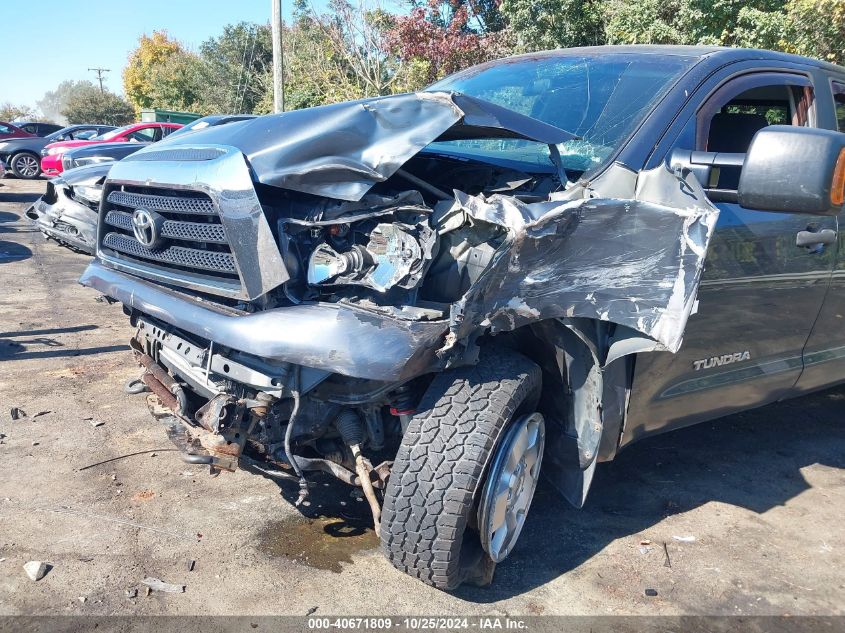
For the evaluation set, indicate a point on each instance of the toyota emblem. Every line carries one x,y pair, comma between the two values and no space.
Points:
146,225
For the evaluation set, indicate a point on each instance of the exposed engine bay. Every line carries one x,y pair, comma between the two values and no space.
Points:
397,246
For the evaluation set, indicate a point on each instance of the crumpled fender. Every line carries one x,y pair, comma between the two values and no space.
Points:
635,262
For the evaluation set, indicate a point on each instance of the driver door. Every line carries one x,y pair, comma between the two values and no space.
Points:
760,293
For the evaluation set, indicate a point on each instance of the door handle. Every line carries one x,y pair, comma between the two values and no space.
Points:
814,238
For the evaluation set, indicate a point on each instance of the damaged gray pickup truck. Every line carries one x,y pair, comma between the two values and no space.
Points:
537,261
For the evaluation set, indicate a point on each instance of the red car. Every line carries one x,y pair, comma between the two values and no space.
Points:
51,156
7,131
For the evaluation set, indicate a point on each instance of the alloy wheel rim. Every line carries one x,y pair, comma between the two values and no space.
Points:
511,482
27,165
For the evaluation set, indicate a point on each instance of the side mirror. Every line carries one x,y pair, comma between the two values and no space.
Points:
794,170
718,172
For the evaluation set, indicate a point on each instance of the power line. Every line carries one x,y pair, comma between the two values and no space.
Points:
100,72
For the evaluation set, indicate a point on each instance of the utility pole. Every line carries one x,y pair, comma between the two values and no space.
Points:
100,72
278,58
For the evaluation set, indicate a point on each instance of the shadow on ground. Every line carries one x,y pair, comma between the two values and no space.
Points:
18,197
13,252
29,344
752,460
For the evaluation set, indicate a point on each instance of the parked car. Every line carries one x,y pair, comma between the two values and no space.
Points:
98,153
51,155
430,296
67,212
107,152
38,128
7,130
23,155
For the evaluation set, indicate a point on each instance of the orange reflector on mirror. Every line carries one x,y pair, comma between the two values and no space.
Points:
837,187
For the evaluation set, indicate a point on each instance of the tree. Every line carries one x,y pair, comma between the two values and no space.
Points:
720,22
238,67
180,83
92,106
55,101
10,112
816,28
545,24
649,22
441,38
357,49
138,76
314,73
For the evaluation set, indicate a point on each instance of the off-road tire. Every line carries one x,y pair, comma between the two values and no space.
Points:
427,528
15,166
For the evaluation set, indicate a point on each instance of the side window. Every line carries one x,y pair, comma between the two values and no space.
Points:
31,128
5,129
729,120
714,141
839,100
84,134
144,135
166,131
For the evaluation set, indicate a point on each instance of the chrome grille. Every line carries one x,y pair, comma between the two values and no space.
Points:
174,229
163,204
203,218
192,232
177,255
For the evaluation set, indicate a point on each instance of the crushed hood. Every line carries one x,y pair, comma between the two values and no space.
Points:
341,150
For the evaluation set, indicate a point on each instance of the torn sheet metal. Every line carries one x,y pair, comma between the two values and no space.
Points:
341,150
634,262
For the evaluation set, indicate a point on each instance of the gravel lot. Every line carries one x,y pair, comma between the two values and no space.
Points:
762,493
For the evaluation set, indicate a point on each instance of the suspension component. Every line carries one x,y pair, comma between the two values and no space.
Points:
404,405
352,431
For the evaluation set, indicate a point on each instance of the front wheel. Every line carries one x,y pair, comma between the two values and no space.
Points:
465,472
25,166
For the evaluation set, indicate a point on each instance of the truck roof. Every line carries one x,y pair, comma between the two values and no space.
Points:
719,54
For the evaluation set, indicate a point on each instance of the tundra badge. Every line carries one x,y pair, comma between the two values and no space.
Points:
718,361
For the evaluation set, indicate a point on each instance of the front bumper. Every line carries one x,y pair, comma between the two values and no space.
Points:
336,338
65,220
51,165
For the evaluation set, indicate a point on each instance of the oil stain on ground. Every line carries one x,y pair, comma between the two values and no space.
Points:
327,533
323,542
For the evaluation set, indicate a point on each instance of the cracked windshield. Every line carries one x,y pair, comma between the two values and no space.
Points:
601,99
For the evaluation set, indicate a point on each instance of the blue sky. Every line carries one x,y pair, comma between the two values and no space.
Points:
48,41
